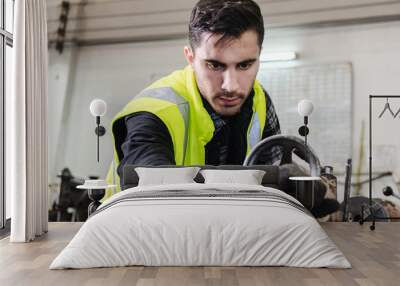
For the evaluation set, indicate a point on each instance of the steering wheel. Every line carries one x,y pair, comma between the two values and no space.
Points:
289,144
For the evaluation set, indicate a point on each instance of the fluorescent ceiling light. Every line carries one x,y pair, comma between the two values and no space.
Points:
276,57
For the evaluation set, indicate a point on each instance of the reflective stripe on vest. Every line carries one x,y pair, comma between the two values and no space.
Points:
254,131
168,94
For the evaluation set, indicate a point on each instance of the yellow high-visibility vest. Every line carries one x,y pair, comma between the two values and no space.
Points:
175,99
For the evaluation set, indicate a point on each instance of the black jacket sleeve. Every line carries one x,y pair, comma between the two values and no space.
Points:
147,142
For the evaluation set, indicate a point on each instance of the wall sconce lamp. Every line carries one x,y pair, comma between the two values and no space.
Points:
305,108
98,108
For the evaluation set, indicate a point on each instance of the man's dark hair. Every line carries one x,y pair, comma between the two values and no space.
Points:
230,18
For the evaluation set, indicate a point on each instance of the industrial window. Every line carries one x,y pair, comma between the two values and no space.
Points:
329,86
6,44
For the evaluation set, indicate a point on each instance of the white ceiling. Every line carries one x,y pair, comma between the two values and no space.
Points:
107,21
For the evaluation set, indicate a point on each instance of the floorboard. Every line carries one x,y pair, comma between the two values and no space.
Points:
374,255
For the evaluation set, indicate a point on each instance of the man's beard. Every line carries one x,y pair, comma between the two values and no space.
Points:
228,104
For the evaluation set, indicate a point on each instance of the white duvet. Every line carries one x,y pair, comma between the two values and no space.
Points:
185,230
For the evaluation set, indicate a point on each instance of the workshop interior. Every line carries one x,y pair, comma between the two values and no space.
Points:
336,66
330,68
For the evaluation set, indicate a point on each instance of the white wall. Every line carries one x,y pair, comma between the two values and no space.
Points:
373,51
61,81
113,73
116,73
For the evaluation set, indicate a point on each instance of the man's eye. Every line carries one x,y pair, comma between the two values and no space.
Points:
244,66
214,66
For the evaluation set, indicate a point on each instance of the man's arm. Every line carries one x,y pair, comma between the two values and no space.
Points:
272,127
147,142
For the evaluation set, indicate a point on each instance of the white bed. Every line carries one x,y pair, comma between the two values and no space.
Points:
203,225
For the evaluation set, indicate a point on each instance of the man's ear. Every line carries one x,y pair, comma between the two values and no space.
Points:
189,55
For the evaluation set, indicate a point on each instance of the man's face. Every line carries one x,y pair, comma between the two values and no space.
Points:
225,71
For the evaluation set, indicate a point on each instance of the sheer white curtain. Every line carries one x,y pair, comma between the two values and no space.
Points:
26,119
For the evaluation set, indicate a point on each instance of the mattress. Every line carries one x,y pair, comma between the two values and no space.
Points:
201,225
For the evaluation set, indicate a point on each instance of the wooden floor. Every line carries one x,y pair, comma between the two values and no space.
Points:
374,255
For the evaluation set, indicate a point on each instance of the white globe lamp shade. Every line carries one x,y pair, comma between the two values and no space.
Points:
98,107
305,107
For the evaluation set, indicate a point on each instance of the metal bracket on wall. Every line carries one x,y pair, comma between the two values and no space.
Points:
62,27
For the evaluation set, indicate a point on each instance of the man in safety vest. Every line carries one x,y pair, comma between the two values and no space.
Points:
213,111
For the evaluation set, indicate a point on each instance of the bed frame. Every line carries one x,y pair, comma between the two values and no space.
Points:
275,177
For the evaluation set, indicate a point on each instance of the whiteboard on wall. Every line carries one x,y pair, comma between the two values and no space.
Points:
329,86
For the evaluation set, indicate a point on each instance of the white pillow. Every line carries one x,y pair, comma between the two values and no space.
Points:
163,176
248,177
